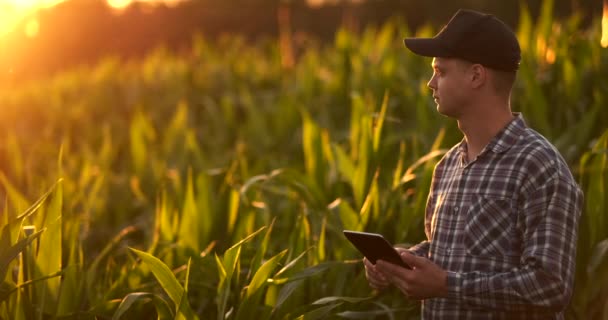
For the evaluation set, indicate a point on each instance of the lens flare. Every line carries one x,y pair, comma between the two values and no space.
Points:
13,12
604,41
119,4
31,28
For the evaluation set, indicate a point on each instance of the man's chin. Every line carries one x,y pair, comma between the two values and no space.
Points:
445,112
440,109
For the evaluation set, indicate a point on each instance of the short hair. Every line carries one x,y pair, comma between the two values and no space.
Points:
503,81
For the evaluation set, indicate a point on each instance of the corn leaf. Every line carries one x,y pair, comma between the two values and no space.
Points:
169,283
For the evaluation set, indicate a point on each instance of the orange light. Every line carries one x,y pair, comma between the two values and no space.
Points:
315,3
604,41
119,4
31,28
22,3
12,12
550,56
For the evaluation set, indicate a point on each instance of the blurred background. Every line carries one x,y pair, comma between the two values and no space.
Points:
38,37
200,159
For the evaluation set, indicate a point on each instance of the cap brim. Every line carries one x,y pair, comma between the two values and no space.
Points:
428,47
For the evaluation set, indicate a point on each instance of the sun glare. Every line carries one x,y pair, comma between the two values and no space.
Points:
118,4
31,28
13,12
604,41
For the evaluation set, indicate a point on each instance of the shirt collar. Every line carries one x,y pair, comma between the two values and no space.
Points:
508,136
504,140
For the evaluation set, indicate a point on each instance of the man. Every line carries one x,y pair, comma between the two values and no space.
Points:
503,209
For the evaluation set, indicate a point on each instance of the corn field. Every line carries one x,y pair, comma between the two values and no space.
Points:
216,185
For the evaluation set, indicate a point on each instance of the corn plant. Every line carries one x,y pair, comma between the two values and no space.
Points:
216,184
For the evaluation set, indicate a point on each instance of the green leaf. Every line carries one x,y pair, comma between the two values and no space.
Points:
598,257
305,186
168,282
385,310
409,173
291,263
314,270
319,313
184,305
227,267
190,222
92,272
372,314
142,133
345,165
6,289
321,243
364,157
223,289
34,207
263,273
233,210
187,280
350,219
377,134
371,202
17,199
249,237
286,292
261,251
71,290
48,259
312,143
162,308
8,254
205,208
327,300
249,306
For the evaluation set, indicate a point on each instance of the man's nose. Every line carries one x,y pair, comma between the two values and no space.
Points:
431,83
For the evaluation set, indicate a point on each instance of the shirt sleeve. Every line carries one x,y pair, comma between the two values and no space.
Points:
421,249
545,276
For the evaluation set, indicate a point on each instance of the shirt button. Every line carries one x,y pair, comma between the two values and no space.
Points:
456,209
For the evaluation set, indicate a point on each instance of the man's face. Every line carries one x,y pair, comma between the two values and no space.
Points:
449,86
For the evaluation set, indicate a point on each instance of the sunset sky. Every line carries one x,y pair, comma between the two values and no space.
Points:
14,11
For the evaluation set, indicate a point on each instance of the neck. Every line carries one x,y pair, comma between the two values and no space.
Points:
480,126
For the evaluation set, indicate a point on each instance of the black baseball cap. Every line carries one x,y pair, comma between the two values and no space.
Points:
475,37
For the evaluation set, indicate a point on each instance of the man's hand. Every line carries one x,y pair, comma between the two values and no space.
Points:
376,279
425,280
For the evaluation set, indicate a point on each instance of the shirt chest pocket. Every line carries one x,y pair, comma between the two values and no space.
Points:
490,226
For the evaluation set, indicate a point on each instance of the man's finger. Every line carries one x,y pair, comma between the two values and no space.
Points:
375,275
389,269
411,260
400,284
378,283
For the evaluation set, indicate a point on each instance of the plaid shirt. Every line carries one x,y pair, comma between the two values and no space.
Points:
504,226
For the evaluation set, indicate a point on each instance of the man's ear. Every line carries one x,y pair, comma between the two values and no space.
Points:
478,75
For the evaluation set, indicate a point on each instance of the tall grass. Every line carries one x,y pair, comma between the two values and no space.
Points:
216,185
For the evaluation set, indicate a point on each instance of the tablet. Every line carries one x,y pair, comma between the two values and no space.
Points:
374,247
